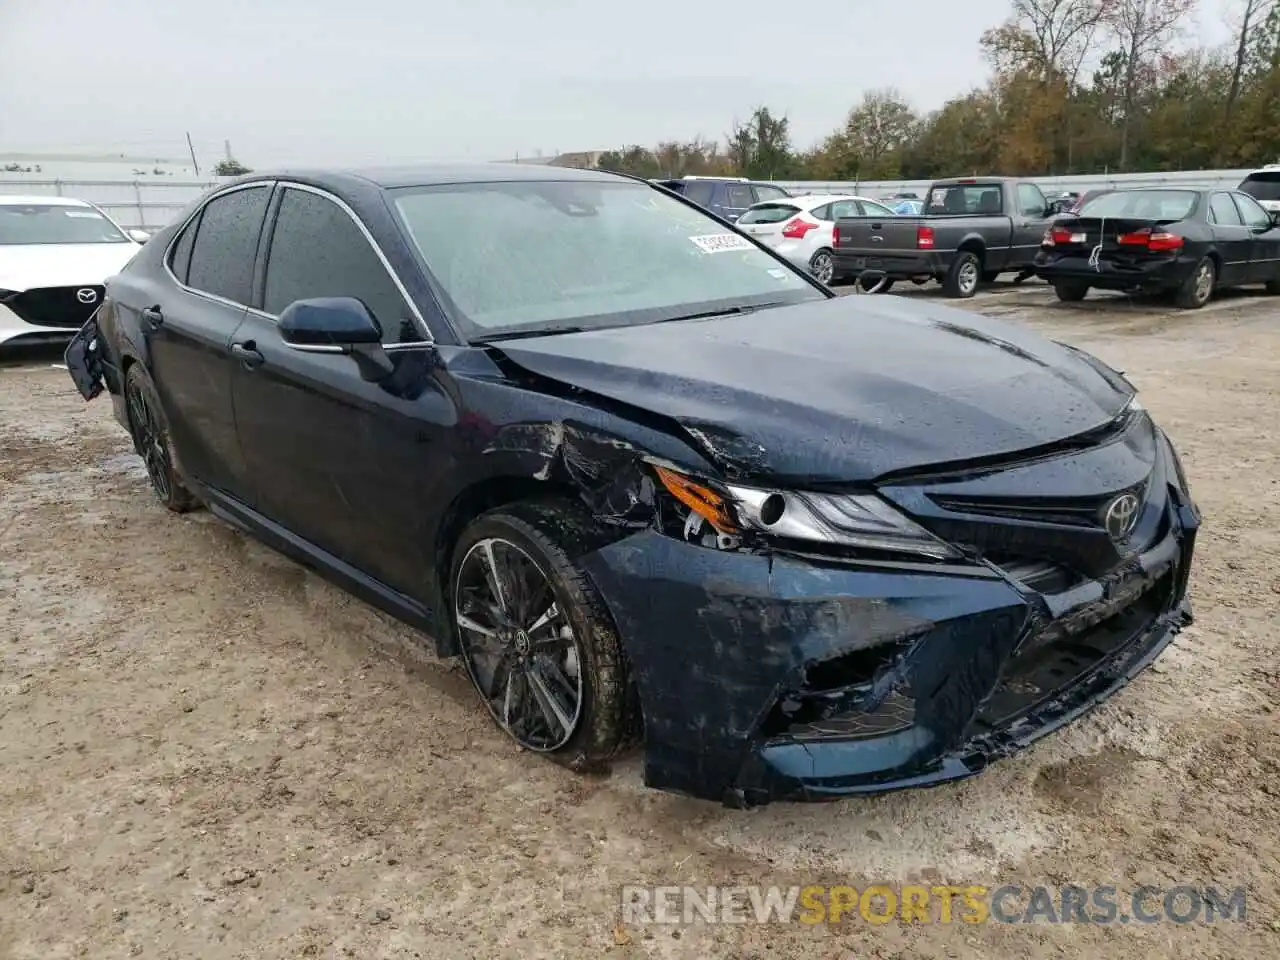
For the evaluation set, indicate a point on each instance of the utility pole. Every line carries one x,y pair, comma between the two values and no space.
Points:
193,154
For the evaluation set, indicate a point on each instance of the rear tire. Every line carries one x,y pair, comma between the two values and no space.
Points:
823,267
522,541
1273,287
869,283
1071,291
151,440
1195,291
963,277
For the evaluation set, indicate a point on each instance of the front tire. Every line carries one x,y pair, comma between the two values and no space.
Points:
537,640
963,277
151,440
1196,290
1071,291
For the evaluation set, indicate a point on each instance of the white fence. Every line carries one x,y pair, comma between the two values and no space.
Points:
151,204
134,204
1051,186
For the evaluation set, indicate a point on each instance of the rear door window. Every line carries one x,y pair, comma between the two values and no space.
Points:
769,213
699,192
1263,185
871,209
226,244
769,193
1224,212
740,196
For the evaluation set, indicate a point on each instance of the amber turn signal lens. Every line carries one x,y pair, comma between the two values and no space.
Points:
701,500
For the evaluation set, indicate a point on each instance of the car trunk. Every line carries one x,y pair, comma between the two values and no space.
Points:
1122,241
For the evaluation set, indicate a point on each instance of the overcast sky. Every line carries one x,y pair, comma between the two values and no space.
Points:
373,81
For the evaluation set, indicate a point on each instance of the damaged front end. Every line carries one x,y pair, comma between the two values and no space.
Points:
814,644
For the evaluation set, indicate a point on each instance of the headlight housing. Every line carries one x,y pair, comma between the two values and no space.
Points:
858,521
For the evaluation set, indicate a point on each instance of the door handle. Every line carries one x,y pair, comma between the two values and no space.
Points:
247,354
153,317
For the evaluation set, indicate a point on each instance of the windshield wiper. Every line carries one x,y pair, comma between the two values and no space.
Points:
534,332
724,311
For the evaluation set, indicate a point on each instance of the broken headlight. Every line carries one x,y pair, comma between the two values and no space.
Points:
859,521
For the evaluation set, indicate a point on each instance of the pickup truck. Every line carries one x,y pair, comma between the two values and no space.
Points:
971,230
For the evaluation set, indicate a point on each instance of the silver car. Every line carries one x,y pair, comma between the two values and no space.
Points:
800,228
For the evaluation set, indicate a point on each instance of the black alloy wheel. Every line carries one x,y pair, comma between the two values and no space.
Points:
537,640
150,433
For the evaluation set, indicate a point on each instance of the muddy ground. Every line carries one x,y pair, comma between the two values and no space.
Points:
209,752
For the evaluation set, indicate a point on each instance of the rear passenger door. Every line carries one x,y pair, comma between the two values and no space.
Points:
340,462
1264,240
1232,238
188,325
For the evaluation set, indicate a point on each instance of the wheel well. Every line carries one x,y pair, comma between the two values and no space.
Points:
470,503
976,247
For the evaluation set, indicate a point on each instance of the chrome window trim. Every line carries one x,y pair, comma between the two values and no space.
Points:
420,322
177,235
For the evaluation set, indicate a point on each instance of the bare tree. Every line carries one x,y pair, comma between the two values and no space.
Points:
1061,31
1252,13
1142,28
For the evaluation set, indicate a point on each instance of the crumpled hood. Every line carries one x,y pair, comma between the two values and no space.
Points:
840,390
29,266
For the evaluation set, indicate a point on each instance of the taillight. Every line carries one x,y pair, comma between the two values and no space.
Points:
1056,235
924,237
797,228
1154,240
835,236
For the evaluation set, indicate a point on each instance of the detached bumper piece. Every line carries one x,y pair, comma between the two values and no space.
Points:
83,358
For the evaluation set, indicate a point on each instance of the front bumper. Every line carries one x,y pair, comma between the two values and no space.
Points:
769,676
1135,276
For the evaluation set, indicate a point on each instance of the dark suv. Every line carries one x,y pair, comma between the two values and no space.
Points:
727,197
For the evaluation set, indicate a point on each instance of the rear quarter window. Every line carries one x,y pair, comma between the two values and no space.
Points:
699,193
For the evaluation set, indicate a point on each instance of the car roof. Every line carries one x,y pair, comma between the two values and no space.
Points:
437,174
9,200
807,201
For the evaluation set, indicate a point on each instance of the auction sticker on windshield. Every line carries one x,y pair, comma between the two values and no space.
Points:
721,242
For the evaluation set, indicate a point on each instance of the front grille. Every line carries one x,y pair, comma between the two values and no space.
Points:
56,306
1068,511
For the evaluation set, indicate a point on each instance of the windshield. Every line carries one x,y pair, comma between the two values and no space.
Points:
55,223
1263,186
1142,205
519,257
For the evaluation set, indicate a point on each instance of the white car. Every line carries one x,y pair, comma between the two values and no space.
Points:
800,228
55,256
1264,186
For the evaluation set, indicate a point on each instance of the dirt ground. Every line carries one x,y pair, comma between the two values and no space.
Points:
209,752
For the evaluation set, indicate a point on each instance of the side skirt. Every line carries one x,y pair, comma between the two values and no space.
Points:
333,569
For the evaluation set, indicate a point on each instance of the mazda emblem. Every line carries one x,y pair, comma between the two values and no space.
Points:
1121,516
87,295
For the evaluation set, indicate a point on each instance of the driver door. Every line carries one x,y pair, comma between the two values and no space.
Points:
342,463
1029,223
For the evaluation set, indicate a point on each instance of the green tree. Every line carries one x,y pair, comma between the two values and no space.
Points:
230,168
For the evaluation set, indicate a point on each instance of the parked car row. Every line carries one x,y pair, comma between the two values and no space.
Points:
1186,242
649,479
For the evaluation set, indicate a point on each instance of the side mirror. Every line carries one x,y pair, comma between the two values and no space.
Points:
139,236
337,325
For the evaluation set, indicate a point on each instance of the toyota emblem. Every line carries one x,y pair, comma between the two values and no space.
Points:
87,295
1121,516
